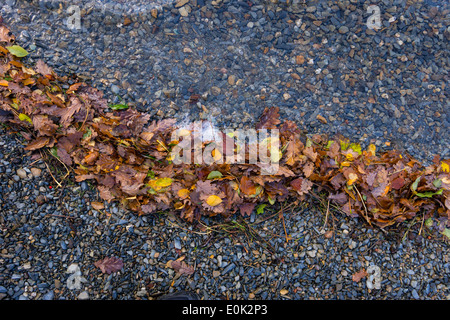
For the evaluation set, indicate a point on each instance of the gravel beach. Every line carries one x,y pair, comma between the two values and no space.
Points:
324,68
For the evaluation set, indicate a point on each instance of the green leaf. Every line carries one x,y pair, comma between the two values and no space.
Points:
271,201
54,152
356,147
446,233
260,208
329,144
87,133
344,145
214,175
429,222
17,51
415,184
437,183
24,117
428,194
118,106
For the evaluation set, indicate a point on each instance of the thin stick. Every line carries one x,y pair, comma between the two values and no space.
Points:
326,214
365,209
50,171
421,226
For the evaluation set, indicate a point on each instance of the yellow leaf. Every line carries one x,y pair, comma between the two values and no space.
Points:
372,149
178,205
213,200
24,117
163,182
352,178
183,132
3,83
216,155
183,193
349,156
445,167
28,81
345,164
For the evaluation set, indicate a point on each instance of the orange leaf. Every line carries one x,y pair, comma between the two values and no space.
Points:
247,186
359,275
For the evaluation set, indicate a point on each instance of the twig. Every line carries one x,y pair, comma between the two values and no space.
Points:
326,214
365,209
50,171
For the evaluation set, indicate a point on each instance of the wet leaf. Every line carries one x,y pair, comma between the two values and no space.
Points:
38,143
118,106
357,276
24,117
213,200
214,175
182,268
109,265
17,51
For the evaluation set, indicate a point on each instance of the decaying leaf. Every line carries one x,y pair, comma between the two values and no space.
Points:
357,276
182,268
129,159
109,265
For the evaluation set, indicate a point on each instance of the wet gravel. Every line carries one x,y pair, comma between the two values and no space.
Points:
239,57
319,62
50,238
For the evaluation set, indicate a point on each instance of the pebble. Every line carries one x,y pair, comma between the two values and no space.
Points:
236,53
83,296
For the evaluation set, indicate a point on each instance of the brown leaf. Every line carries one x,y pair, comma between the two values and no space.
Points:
44,125
43,68
64,156
247,208
302,186
105,193
109,265
247,186
357,276
398,183
269,119
182,268
97,205
38,143
5,34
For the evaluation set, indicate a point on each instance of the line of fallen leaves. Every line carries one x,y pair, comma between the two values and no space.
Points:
129,157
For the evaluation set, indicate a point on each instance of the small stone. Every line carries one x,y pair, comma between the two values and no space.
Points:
154,13
321,119
183,11
83,296
181,3
216,273
300,59
231,80
49,295
36,172
286,96
343,30
215,90
21,173
251,295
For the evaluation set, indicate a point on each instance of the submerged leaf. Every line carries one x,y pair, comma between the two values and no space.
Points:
109,265
17,51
